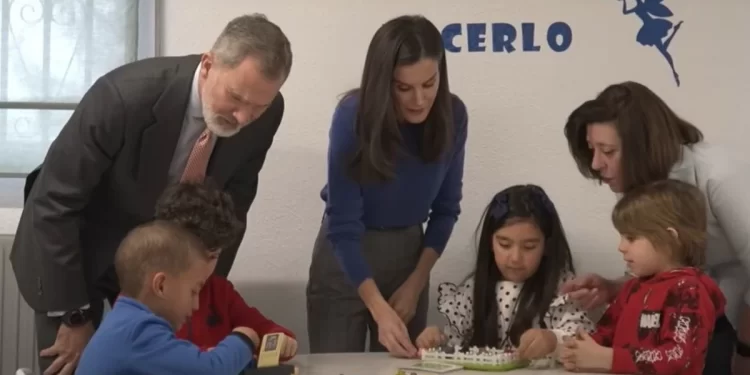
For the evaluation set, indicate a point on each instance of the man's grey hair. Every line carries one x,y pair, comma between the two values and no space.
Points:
255,36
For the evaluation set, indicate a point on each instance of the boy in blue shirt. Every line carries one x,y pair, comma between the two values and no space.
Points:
161,268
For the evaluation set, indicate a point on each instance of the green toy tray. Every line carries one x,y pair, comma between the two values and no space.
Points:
489,367
493,368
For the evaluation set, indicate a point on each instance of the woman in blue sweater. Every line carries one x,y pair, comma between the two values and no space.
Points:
395,161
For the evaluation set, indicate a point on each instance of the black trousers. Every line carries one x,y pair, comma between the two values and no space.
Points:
46,332
721,348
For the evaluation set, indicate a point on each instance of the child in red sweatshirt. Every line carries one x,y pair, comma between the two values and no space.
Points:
209,213
663,319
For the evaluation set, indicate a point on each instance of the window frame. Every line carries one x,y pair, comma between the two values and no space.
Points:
148,45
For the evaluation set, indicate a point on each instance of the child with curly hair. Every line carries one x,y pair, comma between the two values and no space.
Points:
209,213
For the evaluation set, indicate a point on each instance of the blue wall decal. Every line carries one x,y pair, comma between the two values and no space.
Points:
505,37
656,27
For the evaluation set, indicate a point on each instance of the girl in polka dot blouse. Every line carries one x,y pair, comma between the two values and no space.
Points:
511,300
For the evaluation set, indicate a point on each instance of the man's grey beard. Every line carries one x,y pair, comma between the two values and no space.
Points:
218,125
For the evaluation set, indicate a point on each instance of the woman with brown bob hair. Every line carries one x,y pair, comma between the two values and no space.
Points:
627,137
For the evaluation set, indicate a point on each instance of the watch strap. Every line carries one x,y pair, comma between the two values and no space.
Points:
75,318
57,314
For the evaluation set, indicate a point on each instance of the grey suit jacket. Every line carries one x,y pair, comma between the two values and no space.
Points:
104,172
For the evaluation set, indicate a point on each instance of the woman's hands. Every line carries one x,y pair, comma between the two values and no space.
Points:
392,332
392,316
404,299
591,291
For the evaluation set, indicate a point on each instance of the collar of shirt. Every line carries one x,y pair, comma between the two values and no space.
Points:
195,106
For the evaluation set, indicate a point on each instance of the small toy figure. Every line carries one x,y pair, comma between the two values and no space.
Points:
270,350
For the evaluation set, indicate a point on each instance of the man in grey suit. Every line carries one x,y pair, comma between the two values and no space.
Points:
140,127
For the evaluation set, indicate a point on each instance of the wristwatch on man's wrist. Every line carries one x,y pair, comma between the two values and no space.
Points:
743,349
76,318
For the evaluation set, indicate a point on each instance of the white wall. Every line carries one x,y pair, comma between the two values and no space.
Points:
518,104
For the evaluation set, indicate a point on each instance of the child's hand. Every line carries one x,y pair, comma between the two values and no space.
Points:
566,352
584,354
249,332
430,338
290,348
536,343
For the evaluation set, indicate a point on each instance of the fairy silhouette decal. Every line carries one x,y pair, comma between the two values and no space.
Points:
656,27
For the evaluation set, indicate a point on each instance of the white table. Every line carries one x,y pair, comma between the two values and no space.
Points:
382,364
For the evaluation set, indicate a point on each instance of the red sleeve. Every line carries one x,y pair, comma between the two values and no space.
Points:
605,327
242,315
687,322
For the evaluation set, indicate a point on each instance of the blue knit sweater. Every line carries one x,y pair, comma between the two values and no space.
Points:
420,191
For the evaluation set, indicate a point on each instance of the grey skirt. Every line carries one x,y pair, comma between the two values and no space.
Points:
337,319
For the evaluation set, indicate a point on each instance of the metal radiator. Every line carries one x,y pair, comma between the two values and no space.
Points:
17,336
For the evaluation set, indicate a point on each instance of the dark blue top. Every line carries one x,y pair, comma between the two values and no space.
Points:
418,191
134,341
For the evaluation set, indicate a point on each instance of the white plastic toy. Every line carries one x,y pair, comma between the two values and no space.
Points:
480,359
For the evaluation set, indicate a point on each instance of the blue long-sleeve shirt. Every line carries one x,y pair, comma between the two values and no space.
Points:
133,341
419,190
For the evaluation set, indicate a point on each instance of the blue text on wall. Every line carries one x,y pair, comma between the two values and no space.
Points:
504,37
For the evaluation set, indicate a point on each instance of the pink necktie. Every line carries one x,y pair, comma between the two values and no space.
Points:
195,169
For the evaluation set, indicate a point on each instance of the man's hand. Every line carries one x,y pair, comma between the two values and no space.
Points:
290,348
404,300
68,348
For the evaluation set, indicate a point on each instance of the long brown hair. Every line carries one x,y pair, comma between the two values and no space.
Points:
652,134
650,209
520,202
401,41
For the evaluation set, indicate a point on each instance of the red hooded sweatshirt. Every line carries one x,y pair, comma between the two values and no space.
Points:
221,310
662,324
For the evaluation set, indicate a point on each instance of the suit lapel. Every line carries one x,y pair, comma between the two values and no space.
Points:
159,140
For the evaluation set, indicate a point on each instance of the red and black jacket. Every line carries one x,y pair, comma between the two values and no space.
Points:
221,310
662,324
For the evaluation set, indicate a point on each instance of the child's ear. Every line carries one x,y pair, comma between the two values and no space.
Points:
673,232
157,284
